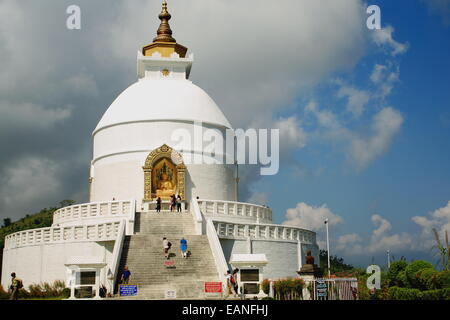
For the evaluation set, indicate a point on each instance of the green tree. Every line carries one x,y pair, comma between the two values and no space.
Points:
412,272
66,203
6,222
336,264
394,276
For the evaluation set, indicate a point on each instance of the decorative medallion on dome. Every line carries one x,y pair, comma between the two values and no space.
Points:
164,174
164,43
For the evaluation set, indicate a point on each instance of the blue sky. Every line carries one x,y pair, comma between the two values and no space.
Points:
412,177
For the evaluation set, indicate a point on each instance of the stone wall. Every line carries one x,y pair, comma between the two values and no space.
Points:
46,263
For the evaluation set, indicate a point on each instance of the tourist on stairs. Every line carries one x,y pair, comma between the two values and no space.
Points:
183,247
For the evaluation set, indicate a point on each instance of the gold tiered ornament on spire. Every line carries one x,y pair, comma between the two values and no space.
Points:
164,43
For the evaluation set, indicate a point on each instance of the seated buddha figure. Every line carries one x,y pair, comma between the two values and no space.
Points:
165,187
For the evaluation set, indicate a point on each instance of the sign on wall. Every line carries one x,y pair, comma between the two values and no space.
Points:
128,290
171,294
213,287
321,288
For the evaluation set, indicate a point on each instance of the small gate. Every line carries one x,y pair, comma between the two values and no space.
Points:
334,289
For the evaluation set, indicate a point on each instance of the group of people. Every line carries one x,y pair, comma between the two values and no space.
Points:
167,245
175,203
232,282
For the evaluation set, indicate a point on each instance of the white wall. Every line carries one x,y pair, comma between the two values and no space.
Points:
282,256
120,153
45,263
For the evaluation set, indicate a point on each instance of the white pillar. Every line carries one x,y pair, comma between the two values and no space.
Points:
299,254
72,284
97,283
328,248
261,279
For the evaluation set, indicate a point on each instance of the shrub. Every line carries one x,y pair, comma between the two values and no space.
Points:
440,294
427,279
266,286
3,294
288,289
403,280
396,293
394,272
443,279
65,293
46,290
413,269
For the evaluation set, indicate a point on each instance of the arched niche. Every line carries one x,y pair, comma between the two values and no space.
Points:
160,159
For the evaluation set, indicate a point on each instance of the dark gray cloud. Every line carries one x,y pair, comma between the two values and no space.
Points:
55,83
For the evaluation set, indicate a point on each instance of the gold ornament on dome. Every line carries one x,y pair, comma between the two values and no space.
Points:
164,43
164,174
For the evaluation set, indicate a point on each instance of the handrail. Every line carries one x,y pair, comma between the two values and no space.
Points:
241,210
93,232
227,229
94,210
198,218
234,202
117,254
216,248
131,219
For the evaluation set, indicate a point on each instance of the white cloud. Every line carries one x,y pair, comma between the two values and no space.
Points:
438,219
385,77
362,148
383,225
310,217
348,240
259,198
380,241
292,134
357,99
385,126
384,38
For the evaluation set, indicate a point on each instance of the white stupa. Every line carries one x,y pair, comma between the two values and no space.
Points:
134,163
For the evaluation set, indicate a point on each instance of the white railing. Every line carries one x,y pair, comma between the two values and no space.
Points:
217,251
245,211
117,254
198,218
226,229
94,210
94,232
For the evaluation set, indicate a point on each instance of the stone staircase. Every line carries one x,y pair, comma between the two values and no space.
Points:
143,254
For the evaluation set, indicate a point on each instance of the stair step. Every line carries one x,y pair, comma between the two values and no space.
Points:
143,254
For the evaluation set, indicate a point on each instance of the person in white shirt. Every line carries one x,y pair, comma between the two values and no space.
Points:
166,246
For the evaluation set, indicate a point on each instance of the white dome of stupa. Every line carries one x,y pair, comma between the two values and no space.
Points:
163,110
163,100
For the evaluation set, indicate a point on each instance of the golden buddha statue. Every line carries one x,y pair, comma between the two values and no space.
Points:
165,187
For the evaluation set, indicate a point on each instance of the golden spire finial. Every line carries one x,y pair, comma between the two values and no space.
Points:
164,43
164,32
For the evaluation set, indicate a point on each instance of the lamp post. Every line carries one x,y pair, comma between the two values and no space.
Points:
389,259
328,248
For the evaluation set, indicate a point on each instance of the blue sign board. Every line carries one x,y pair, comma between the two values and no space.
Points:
321,288
128,290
